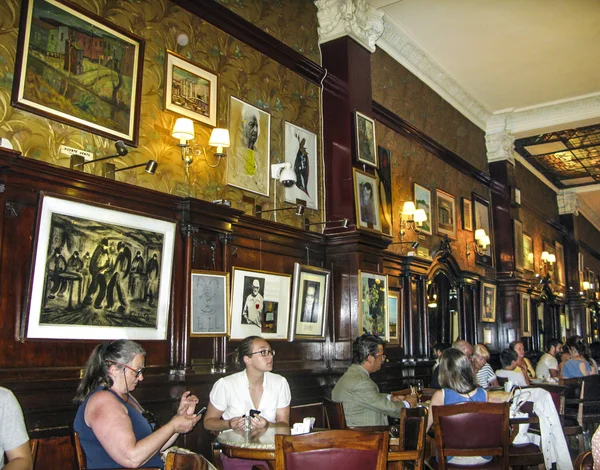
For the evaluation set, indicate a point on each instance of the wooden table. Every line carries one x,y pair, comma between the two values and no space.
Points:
257,444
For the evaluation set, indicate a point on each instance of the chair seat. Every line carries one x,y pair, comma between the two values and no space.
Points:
491,465
525,455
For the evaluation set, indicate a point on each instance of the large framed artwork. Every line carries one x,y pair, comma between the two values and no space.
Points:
75,67
384,172
488,302
528,263
525,315
395,323
260,304
423,201
248,159
301,153
483,220
365,140
99,273
373,304
518,241
446,214
560,263
209,303
366,200
190,90
310,299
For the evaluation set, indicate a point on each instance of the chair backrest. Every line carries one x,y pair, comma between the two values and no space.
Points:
584,461
52,452
335,414
176,461
346,449
472,429
313,410
411,439
590,395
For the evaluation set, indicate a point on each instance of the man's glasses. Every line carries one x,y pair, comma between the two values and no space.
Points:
138,372
264,352
379,355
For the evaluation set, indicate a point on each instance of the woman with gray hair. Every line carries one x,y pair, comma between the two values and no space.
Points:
484,372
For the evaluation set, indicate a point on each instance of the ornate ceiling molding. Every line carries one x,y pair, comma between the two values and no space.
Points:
567,202
500,146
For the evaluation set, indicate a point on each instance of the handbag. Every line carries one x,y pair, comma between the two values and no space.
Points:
517,400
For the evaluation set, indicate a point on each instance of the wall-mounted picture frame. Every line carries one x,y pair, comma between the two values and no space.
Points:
526,315
482,219
191,90
248,159
467,214
560,264
366,200
366,147
87,73
518,241
301,153
99,273
446,213
423,201
209,303
260,304
373,304
528,261
488,302
384,174
310,302
487,335
395,322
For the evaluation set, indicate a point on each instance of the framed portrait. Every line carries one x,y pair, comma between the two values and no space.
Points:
209,303
384,173
260,304
446,214
301,153
560,263
310,300
525,315
373,304
365,140
395,323
99,273
518,240
75,67
190,90
528,263
487,336
248,159
366,200
488,302
423,201
483,219
467,214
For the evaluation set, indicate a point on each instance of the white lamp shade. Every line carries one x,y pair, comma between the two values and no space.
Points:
408,208
551,258
586,285
485,241
420,216
545,255
183,129
219,138
480,234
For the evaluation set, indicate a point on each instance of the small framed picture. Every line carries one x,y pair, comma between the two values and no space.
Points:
423,201
446,214
394,320
384,172
366,199
373,304
209,303
525,315
366,148
301,153
518,240
528,263
488,302
467,214
487,336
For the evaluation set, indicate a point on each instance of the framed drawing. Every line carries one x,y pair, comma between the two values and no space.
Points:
423,201
384,172
190,90
75,67
446,214
366,200
487,336
525,315
560,263
467,214
528,263
310,299
248,160
511,335
365,140
209,303
488,302
99,273
301,153
373,303
518,241
260,304
483,219
395,324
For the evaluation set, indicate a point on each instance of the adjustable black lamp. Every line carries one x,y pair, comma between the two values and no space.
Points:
108,169
78,161
300,208
413,245
343,222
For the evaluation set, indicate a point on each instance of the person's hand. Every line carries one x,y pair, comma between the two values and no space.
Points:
238,423
187,404
258,422
184,423
397,398
411,399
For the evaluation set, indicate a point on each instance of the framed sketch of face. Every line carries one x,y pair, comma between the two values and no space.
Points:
488,302
365,140
366,199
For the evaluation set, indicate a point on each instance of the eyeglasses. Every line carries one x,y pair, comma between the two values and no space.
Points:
379,355
264,352
138,372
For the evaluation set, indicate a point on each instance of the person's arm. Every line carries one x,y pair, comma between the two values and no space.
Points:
366,394
213,421
19,458
282,416
583,368
436,400
554,373
494,382
187,406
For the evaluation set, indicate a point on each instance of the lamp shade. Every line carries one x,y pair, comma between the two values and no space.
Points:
551,258
183,129
420,216
219,138
480,234
586,285
485,241
545,255
408,208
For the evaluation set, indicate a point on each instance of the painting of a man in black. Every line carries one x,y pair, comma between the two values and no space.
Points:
99,265
121,270
301,166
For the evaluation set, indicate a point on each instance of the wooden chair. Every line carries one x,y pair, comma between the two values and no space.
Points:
584,461
341,448
176,461
524,455
313,410
582,400
471,429
52,452
411,448
334,411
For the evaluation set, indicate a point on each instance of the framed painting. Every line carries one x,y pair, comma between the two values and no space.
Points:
483,220
248,159
525,315
488,302
260,304
366,200
209,303
384,173
446,214
190,90
310,299
423,201
373,304
301,153
467,214
487,336
518,241
75,67
560,263
99,273
528,263
395,324
365,140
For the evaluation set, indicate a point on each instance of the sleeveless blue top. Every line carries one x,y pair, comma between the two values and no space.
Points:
95,454
451,397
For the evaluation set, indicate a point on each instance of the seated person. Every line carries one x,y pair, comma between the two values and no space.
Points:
484,372
522,362
363,404
115,431
14,440
547,366
579,364
438,349
510,370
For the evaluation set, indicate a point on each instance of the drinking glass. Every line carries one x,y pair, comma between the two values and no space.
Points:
419,390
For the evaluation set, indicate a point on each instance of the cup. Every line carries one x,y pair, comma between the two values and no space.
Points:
247,423
508,386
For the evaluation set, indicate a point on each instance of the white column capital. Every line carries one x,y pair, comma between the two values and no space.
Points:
567,202
500,146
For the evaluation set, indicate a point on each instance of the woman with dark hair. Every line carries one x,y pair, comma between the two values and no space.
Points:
579,364
114,430
522,362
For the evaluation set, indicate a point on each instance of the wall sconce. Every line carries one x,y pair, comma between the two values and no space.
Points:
184,131
586,285
78,160
300,208
343,222
411,218
547,260
480,244
109,170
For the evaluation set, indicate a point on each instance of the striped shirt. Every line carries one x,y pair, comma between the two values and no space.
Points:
485,376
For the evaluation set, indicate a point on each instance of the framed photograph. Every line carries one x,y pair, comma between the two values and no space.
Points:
301,153
560,263
395,323
488,302
190,90
75,67
384,173
446,214
366,200
365,140
423,201
528,263
373,304
518,240
260,304
209,303
525,315
99,273
248,159
310,299
483,219
467,214
487,336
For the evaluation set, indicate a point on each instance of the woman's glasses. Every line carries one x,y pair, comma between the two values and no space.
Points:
264,352
138,372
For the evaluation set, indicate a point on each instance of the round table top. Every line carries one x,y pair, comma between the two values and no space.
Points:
263,439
